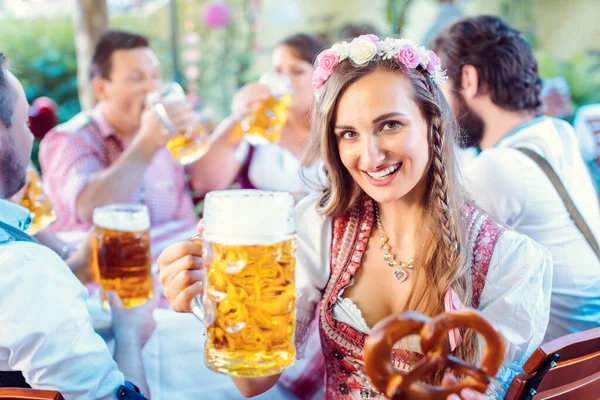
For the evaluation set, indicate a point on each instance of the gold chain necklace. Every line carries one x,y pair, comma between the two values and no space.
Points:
401,268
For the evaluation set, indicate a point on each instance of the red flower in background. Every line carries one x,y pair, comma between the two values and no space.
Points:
42,116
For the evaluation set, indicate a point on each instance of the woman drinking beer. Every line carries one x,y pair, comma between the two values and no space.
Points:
393,231
275,165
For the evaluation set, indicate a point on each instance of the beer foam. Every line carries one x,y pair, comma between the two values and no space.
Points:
122,217
248,217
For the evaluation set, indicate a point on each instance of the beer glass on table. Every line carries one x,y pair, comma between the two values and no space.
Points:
33,198
248,302
266,124
121,251
191,143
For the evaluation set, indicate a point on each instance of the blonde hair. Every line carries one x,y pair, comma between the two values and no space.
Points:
441,263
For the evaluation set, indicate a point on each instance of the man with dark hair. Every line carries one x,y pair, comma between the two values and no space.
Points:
46,338
494,90
116,153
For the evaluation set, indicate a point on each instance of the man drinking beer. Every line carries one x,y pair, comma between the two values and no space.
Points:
47,340
117,152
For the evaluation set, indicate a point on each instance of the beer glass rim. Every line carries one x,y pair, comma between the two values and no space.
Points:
278,82
248,192
122,207
112,216
162,90
248,216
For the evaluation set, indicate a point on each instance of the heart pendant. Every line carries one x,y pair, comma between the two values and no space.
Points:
400,274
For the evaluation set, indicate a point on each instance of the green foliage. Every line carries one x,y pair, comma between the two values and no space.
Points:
582,73
42,54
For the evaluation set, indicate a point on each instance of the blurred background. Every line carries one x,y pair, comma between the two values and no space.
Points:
214,47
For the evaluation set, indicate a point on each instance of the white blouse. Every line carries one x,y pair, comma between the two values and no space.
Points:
276,168
511,188
516,296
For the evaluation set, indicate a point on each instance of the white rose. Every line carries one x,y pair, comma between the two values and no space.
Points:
362,50
341,50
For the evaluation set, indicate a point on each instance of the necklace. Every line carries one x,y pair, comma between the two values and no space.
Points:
401,268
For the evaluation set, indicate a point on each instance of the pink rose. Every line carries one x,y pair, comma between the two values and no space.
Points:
318,80
434,61
408,56
328,61
371,37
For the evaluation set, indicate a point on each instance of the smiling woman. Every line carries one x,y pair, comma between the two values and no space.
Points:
393,222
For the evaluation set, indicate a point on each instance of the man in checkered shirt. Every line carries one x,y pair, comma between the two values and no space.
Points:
116,152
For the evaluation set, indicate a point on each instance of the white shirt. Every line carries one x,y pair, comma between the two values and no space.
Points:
515,298
586,133
275,168
45,328
514,190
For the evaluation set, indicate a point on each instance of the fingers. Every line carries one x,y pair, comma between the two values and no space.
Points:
249,99
183,301
153,302
449,380
181,282
177,257
200,227
114,300
471,394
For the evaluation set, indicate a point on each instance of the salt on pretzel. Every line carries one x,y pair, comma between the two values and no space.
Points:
398,385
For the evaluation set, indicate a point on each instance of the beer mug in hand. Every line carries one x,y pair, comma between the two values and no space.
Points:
191,142
266,124
33,198
121,251
248,304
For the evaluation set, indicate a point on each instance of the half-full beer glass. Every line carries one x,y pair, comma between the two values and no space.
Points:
121,250
35,200
249,287
266,124
191,143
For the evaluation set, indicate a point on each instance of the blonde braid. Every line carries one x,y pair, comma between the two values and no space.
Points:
440,190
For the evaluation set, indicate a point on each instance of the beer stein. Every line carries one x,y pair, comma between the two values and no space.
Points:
248,301
191,143
33,198
121,252
266,124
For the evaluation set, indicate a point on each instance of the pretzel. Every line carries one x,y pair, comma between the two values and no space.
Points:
398,385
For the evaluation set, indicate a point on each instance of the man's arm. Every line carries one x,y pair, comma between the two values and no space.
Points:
132,328
219,166
117,182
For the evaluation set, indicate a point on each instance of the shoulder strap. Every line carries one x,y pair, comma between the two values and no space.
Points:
243,178
16,234
564,195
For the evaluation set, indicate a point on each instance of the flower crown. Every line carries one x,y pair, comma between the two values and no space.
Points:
366,47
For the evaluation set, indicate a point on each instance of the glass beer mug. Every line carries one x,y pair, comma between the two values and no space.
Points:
190,144
248,303
35,200
121,251
266,124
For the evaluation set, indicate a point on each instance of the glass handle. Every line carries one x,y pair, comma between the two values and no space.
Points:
198,308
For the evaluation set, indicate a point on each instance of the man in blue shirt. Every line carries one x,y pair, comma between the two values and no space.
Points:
47,340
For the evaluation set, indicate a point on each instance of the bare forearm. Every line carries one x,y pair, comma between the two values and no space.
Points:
250,387
116,183
218,168
129,359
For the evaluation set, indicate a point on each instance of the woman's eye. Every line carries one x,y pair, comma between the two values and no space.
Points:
390,125
348,135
